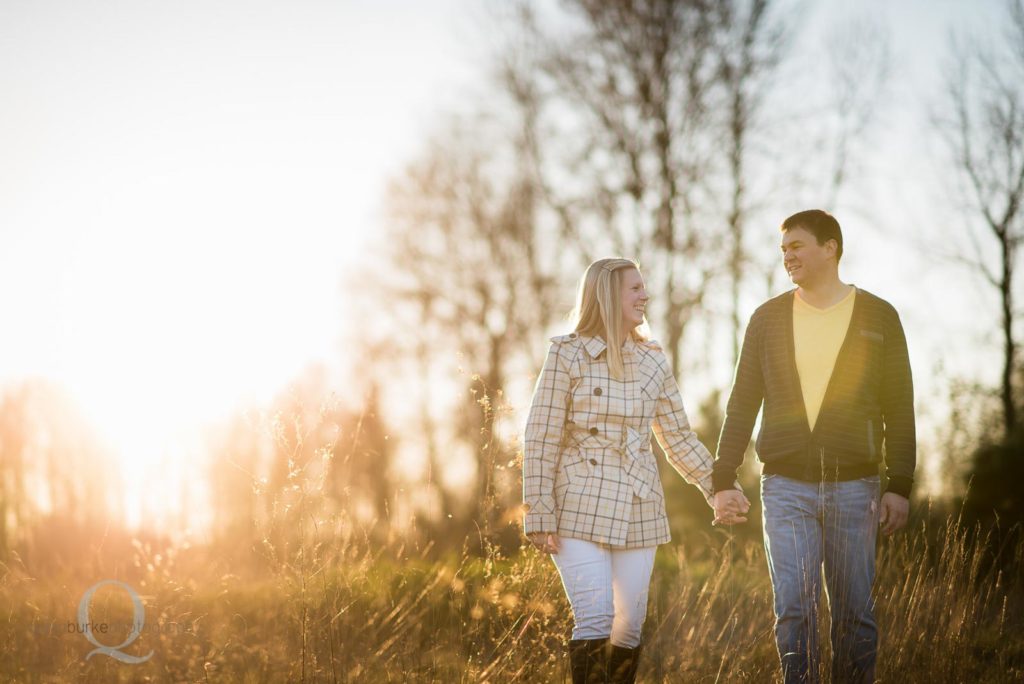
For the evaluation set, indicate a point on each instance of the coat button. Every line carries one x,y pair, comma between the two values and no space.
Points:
593,431
593,461
597,391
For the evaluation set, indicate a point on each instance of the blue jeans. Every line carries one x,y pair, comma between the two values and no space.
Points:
807,526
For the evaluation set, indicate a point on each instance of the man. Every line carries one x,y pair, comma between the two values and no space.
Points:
829,363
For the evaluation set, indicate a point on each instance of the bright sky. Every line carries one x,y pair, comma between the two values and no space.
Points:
184,185
905,200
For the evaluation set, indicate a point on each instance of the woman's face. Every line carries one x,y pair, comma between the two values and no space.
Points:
634,298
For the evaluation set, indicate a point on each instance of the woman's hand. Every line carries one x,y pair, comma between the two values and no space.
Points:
730,507
546,542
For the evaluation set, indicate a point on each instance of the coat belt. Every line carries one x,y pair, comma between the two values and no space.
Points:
630,444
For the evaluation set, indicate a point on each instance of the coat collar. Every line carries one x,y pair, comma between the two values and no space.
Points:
595,345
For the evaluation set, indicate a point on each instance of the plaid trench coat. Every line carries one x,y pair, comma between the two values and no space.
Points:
588,469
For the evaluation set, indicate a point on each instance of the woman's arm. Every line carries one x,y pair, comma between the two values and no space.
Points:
543,441
684,450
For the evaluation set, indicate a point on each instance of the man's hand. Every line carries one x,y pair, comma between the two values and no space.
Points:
893,513
545,542
730,507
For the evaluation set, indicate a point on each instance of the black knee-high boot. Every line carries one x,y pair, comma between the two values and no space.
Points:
587,661
622,664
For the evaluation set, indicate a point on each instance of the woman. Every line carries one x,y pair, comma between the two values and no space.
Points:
591,489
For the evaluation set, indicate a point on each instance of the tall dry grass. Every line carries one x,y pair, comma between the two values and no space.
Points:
305,594
313,609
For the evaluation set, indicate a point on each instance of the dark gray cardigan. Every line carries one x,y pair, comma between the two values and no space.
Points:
867,412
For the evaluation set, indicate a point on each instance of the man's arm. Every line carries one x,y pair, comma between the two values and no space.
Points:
900,430
898,411
741,411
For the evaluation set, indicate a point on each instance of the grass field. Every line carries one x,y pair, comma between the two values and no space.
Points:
313,607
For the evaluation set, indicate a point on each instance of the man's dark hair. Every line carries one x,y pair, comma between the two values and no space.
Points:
821,224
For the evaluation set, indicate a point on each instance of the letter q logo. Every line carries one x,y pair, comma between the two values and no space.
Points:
138,620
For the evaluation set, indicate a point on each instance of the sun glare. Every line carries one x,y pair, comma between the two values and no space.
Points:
177,223
155,357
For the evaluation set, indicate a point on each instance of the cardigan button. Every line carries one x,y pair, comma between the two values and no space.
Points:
593,431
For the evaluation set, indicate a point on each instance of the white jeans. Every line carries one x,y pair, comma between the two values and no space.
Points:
607,588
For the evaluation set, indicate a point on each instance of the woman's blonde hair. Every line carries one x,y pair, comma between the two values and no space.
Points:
598,311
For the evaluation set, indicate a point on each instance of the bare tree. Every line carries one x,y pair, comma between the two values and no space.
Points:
623,94
747,58
984,131
237,455
603,142
471,279
623,126
15,505
361,460
53,465
820,113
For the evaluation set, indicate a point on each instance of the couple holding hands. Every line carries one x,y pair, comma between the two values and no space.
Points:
828,364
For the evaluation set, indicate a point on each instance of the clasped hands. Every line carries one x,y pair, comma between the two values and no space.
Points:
730,506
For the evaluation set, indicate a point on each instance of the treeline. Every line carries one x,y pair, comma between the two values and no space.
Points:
663,130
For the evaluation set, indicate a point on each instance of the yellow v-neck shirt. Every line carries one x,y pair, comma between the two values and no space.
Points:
818,335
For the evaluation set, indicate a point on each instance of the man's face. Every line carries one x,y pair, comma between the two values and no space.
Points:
805,260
